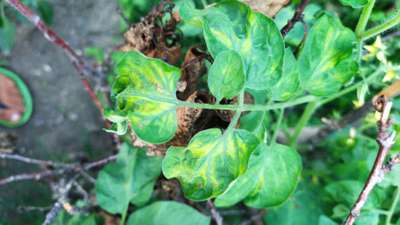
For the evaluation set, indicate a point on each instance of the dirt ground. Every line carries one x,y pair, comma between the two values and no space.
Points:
65,123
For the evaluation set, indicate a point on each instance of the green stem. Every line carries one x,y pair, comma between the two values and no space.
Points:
381,28
393,207
244,108
123,217
236,117
364,17
278,126
307,114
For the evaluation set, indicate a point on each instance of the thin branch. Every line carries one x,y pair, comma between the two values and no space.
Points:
31,176
66,168
100,163
77,61
215,214
52,214
31,161
298,16
62,199
385,140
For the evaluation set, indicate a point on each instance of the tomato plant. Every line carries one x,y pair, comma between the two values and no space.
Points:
268,117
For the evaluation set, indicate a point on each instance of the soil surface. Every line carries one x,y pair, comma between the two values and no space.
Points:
65,124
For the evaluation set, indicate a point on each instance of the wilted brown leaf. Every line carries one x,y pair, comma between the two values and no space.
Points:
192,69
186,118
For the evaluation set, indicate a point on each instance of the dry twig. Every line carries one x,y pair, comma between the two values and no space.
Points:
298,16
31,161
62,169
215,214
385,140
77,61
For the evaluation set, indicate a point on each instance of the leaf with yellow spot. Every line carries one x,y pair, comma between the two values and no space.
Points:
271,177
234,26
210,162
327,60
226,76
145,92
288,85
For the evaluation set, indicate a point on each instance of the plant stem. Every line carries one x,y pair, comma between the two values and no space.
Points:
385,140
381,28
278,126
244,108
364,17
307,114
298,16
393,207
236,117
123,217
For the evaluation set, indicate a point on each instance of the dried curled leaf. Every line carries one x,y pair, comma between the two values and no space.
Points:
186,118
267,7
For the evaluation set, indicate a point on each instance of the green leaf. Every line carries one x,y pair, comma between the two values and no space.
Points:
135,9
168,213
45,10
327,61
226,76
129,180
96,53
324,220
210,162
303,208
256,123
145,91
192,22
7,34
368,218
288,85
354,3
64,219
392,178
233,26
271,177
346,192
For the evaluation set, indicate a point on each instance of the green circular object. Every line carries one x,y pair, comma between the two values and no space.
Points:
27,98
